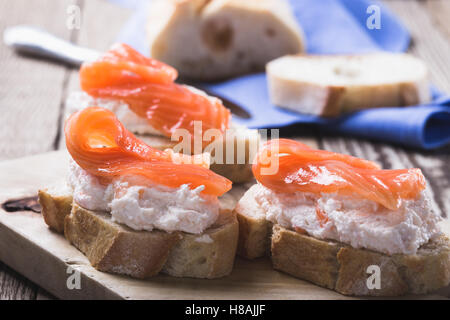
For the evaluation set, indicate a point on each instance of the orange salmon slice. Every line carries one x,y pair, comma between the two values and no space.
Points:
302,169
148,87
101,145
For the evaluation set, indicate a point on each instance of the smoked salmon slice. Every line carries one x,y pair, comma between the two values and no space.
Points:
148,87
302,169
101,145
122,65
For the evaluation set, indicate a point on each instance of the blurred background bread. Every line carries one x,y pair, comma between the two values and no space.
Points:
218,39
329,85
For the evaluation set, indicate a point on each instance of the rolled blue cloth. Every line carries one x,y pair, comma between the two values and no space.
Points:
331,27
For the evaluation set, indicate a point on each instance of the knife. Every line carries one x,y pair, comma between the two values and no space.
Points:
36,42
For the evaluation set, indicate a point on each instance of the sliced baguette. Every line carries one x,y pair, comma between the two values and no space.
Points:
217,39
338,266
333,85
115,248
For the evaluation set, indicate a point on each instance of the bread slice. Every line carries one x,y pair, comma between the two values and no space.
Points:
217,39
330,85
115,248
343,268
209,255
254,236
254,229
339,266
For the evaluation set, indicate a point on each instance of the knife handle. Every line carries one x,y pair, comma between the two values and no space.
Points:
37,42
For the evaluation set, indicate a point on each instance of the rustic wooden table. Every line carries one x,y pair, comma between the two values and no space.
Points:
32,94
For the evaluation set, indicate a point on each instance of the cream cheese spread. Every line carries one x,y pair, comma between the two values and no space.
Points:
358,222
145,208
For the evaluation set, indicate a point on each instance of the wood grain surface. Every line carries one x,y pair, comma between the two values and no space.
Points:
27,244
32,94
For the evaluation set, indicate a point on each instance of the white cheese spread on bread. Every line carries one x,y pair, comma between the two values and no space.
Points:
145,208
355,221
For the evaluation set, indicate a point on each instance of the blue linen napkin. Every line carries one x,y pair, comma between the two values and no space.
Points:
330,27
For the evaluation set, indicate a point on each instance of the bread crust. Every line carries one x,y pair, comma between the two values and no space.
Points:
345,269
254,236
54,209
207,256
428,270
111,247
352,275
305,257
115,248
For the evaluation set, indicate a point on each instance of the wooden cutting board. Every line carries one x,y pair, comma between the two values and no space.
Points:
28,246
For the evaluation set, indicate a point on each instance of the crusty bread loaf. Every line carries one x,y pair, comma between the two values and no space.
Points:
113,247
340,267
217,39
335,84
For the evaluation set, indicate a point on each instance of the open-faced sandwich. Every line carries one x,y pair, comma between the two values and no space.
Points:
332,219
135,210
142,93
